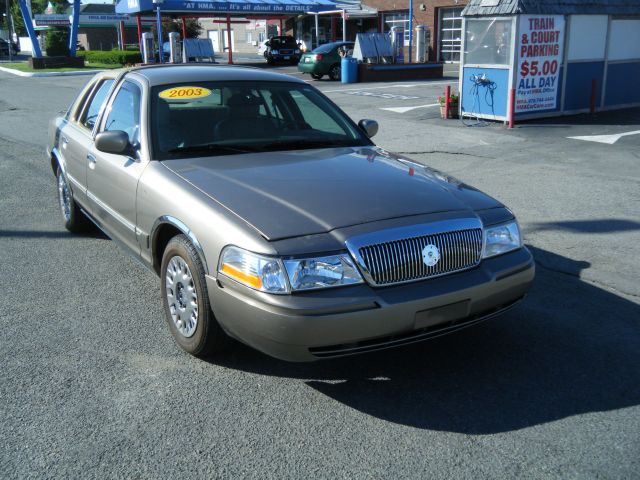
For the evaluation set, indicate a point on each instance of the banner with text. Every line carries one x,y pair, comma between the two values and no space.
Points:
540,44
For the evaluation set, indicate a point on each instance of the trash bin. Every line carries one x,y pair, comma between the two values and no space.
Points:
349,70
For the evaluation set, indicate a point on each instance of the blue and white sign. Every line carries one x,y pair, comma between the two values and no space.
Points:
276,7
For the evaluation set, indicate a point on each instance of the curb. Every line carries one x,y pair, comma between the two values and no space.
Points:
69,73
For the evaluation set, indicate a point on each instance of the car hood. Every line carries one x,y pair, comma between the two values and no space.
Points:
304,192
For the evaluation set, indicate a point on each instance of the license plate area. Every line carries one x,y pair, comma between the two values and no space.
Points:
446,313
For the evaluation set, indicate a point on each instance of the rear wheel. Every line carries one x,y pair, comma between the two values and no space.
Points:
334,72
316,76
186,301
73,218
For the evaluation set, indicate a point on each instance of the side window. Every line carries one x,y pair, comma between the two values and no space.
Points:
269,107
125,112
314,115
92,110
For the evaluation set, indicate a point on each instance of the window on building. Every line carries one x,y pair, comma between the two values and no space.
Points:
488,41
397,19
450,34
249,37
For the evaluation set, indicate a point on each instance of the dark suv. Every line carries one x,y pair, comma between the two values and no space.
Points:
4,47
282,49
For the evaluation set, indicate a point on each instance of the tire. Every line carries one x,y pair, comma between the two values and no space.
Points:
186,302
73,219
334,72
316,76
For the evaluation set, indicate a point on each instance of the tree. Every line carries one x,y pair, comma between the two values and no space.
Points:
37,6
193,28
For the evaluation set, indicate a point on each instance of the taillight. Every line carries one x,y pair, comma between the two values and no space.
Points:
318,57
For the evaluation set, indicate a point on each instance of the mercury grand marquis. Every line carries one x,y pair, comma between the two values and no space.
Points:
273,219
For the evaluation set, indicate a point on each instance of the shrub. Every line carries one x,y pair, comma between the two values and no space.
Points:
56,42
114,57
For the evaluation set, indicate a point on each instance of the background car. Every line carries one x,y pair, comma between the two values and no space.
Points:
262,48
4,47
324,60
283,49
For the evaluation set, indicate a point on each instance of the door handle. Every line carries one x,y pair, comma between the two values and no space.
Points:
92,160
65,141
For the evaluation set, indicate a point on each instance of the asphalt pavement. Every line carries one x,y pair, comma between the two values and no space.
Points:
93,386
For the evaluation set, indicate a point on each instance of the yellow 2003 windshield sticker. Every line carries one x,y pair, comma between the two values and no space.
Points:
184,93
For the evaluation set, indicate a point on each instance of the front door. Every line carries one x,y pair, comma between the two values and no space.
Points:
112,180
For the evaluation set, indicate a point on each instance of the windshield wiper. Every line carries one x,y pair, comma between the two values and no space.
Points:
210,148
303,144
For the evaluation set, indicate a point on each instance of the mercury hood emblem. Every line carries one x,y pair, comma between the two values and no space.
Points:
430,255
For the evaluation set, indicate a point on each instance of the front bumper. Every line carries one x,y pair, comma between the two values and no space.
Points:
343,321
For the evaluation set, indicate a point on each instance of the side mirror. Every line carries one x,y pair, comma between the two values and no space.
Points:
115,141
370,127
267,44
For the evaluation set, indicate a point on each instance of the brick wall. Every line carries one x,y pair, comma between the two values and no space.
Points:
425,12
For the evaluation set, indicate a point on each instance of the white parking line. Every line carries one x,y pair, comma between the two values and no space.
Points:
425,84
407,109
608,139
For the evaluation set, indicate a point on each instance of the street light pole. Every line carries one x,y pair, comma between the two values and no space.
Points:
10,39
157,3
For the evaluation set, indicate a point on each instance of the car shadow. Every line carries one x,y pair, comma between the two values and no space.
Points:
570,348
604,225
91,232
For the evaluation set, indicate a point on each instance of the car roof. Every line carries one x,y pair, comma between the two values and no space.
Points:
163,74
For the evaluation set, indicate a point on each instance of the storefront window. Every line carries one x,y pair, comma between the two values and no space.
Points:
397,19
488,41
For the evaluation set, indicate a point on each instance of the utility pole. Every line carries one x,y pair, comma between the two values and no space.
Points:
8,21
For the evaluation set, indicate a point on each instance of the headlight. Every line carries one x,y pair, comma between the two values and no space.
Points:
255,271
274,52
297,52
322,272
501,239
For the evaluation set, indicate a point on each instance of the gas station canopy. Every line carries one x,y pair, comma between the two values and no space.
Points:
237,7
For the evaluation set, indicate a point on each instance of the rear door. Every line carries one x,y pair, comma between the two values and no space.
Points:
112,180
76,137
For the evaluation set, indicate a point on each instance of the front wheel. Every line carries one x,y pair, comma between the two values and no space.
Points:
186,302
334,72
316,76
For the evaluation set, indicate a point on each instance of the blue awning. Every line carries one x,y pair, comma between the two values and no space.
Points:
237,7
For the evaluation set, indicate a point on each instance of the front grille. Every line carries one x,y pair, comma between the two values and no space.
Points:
286,52
400,261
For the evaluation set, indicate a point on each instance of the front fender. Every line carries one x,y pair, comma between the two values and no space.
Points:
182,227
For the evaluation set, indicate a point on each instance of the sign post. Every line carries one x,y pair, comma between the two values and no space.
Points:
540,44
28,24
73,34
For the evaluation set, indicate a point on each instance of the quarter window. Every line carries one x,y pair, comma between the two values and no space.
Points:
92,110
124,113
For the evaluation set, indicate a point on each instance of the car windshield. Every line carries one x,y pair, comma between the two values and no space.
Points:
279,42
221,118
